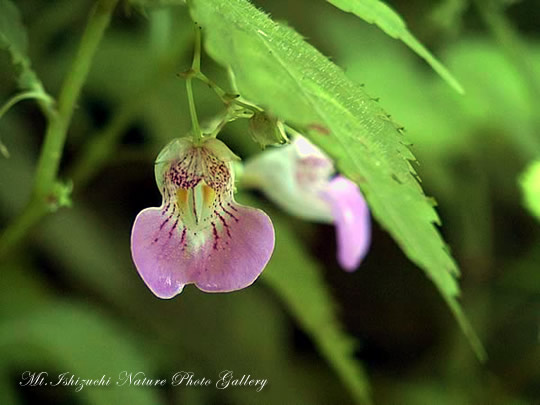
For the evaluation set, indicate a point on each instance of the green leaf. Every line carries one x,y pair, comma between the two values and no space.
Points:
274,67
530,185
378,13
297,280
13,38
80,341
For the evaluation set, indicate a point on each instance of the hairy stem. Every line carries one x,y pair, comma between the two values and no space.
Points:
55,136
58,124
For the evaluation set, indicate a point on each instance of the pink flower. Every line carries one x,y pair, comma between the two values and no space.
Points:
199,235
299,178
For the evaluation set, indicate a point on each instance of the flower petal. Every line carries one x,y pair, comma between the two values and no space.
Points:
199,235
159,255
238,252
231,256
351,219
281,173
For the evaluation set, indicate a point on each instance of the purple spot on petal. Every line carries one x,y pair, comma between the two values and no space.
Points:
228,213
183,237
216,237
173,228
166,209
164,222
224,223
194,208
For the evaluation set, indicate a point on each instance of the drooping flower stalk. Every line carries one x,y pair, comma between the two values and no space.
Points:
195,68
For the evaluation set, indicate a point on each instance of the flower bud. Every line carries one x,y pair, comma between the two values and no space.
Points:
266,130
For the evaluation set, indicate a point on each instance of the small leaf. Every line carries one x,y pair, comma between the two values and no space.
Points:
378,13
530,185
276,69
61,195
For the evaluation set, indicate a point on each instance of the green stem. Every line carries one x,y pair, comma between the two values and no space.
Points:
58,124
229,100
210,83
55,136
225,97
195,69
197,134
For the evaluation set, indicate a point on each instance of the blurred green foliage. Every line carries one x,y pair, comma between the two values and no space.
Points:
71,299
530,183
